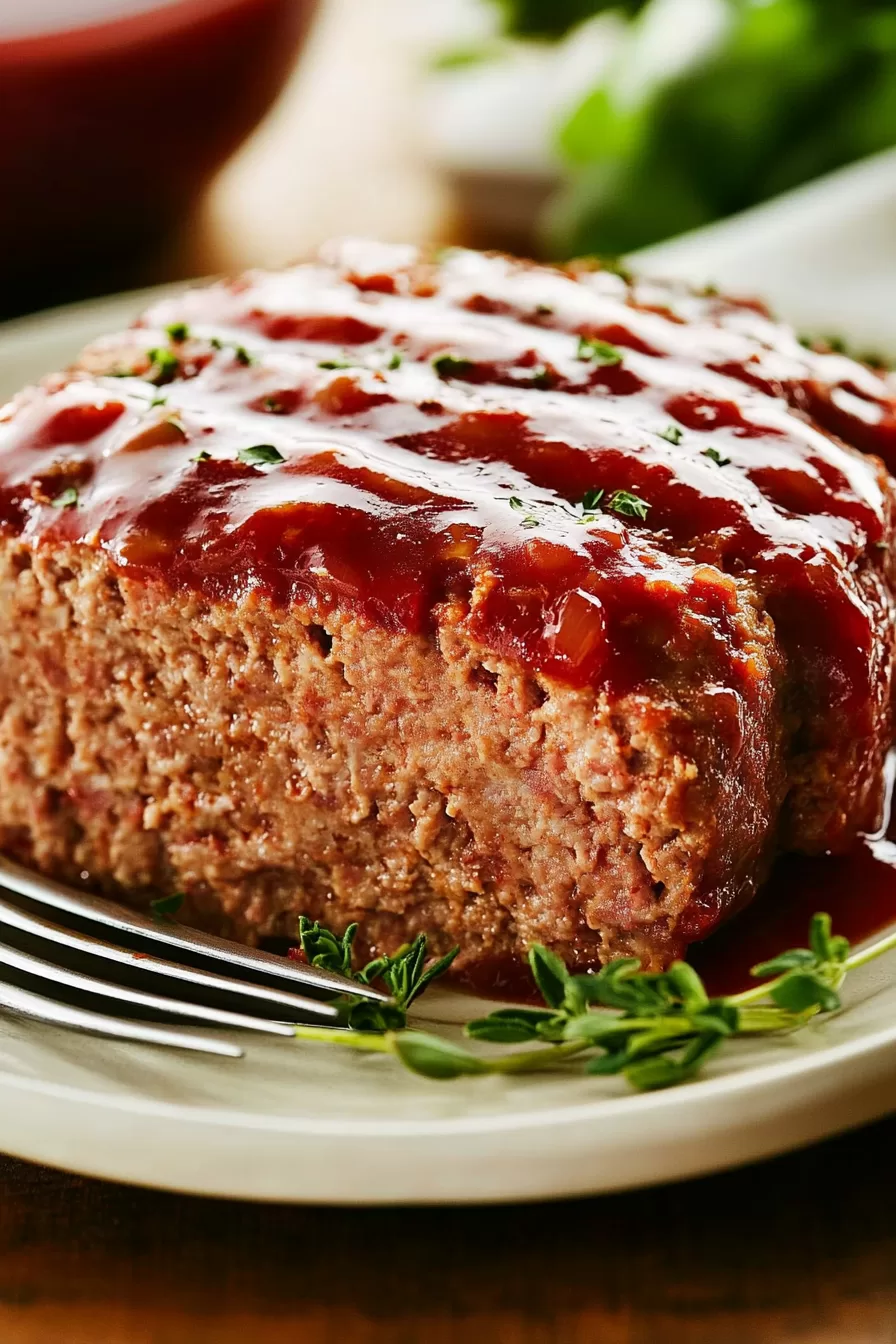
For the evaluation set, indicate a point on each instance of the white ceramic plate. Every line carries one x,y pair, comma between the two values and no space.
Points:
312,1123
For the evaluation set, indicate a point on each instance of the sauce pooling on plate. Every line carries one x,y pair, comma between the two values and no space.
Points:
857,889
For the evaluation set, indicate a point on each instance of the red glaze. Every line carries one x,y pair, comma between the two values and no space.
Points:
396,486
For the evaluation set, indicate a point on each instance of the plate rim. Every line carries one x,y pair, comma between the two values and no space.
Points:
823,1059
707,1094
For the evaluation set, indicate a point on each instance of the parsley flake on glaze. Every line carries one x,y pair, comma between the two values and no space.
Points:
260,454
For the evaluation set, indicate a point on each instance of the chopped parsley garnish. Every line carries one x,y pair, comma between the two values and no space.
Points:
589,506
166,906
520,506
68,499
672,434
544,310
178,331
452,366
201,456
164,365
627,504
260,454
240,353
335,364
591,499
394,360
598,352
715,456
543,378
158,401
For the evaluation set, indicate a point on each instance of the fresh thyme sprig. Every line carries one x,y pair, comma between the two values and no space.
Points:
655,1029
406,974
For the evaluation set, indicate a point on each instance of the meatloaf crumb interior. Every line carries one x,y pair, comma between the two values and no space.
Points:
500,601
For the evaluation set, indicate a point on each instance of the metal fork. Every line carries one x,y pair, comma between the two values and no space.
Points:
291,1006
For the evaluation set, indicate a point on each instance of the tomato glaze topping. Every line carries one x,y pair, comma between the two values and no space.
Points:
600,471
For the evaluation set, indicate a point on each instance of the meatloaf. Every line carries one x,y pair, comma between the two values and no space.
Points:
453,593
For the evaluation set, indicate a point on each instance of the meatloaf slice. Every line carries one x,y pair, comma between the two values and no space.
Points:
500,601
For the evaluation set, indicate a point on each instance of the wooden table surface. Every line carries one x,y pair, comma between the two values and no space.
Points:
801,1250
797,1251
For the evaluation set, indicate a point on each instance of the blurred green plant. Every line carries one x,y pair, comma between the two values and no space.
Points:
789,90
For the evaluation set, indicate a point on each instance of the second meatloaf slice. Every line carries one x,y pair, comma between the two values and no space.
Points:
503,602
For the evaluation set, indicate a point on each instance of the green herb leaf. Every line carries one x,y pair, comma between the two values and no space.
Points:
452,366
260,455
715,456
240,353
165,365
324,949
672,434
165,907
519,506
201,456
787,961
591,499
688,986
66,499
405,974
509,1025
431,973
178,331
602,1065
627,504
799,990
597,351
434,1057
395,360
549,974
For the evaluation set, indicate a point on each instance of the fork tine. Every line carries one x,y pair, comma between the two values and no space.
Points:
298,1005
87,984
46,891
24,1003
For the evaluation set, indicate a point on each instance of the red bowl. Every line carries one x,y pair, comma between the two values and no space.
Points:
113,128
